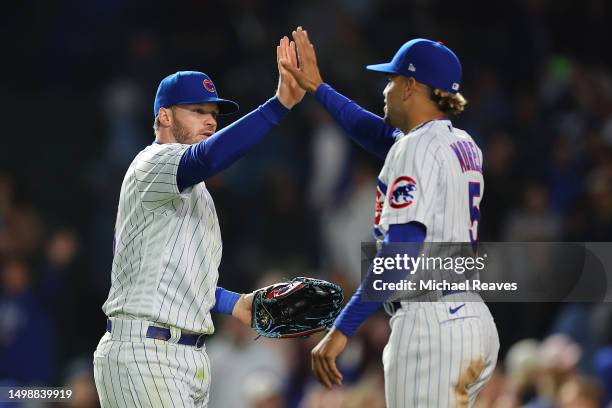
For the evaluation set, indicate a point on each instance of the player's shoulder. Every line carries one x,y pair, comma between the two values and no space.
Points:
462,135
425,138
164,149
162,152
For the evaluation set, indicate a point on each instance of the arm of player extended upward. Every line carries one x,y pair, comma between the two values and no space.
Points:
367,129
205,159
356,311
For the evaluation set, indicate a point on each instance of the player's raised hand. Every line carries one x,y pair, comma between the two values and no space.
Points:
323,357
289,92
307,74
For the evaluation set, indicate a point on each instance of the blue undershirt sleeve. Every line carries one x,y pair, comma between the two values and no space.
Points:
367,129
357,311
205,159
225,301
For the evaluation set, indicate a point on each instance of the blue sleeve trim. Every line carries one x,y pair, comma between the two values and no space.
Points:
382,186
412,232
274,111
367,129
225,301
207,158
357,311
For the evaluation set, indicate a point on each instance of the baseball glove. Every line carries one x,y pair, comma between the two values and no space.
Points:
297,308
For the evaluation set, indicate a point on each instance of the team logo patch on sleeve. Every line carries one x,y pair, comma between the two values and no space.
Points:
381,192
400,193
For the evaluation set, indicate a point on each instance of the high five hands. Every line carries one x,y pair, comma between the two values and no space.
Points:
288,92
297,67
306,72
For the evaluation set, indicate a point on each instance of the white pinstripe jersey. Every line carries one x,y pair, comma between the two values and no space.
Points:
432,175
167,245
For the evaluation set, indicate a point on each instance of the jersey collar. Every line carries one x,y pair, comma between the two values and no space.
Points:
429,121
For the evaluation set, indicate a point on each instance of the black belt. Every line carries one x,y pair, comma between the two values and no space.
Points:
398,305
161,333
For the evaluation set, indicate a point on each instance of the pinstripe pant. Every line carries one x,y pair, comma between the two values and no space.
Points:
435,358
132,370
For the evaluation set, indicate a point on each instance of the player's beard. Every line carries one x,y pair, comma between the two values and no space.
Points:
387,118
391,117
180,133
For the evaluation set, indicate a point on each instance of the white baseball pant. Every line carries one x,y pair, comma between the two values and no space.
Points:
132,370
439,354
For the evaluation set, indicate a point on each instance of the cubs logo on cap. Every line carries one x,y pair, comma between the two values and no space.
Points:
185,87
208,85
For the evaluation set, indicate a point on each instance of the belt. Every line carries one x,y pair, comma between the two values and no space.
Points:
398,305
162,333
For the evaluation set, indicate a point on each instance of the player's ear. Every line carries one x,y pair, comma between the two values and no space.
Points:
409,85
165,117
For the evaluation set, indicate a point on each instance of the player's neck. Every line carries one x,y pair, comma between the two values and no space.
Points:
418,118
165,136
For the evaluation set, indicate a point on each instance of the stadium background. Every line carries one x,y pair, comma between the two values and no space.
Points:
78,84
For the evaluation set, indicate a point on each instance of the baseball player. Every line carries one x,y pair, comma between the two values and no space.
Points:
440,352
167,245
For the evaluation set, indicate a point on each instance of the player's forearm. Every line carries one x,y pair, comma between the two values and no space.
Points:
214,154
354,313
364,127
357,311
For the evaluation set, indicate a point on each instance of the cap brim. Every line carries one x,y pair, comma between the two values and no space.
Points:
386,68
226,106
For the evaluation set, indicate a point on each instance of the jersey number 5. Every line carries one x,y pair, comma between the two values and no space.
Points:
474,190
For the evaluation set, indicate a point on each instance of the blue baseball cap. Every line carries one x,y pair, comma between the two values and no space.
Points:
429,62
185,87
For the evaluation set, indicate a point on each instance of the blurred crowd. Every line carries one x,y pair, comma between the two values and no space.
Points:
83,78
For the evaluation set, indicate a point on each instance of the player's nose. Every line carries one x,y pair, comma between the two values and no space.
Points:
210,120
386,90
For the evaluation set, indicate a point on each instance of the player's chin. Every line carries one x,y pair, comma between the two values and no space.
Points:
198,138
387,119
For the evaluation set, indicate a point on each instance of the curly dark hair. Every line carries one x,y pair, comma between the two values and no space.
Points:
447,102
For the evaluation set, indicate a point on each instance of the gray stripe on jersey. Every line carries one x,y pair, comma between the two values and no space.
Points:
174,258
429,353
183,275
417,365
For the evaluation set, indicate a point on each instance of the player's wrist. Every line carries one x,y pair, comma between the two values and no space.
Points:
339,331
242,308
314,85
287,102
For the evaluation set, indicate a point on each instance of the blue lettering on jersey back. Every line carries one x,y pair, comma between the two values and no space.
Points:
467,155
